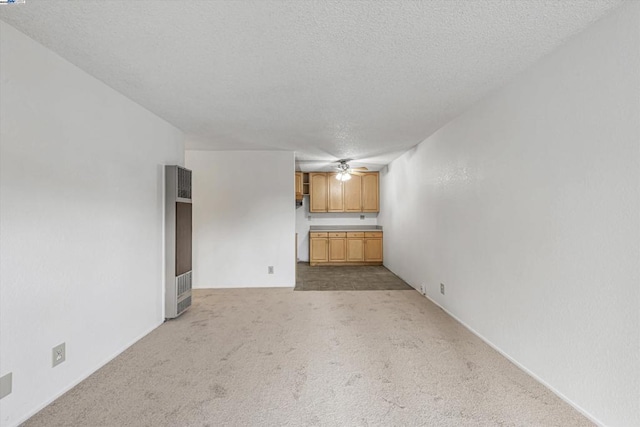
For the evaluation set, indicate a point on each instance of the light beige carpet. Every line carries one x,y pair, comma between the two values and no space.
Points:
275,357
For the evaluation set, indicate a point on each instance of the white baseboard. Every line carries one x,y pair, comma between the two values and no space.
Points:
519,365
247,287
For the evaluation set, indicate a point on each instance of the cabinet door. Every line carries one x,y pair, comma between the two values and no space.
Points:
337,250
318,249
370,198
373,250
353,194
318,192
355,249
298,185
336,199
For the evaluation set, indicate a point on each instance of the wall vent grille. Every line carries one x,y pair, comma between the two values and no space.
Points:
183,284
184,304
184,183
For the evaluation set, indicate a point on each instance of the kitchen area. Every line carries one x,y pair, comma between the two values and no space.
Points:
339,243
327,208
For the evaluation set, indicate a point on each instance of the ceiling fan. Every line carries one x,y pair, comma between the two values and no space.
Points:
341,167
345,171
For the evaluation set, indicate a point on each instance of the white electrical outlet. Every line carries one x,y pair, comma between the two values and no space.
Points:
58,355
270,269
423,289
442,288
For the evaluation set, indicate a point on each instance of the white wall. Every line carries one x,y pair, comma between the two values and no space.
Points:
81,221
243,218
305,219
527,209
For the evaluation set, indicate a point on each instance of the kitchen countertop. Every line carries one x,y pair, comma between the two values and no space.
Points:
345,228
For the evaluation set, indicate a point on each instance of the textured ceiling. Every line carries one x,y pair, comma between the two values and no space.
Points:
327,79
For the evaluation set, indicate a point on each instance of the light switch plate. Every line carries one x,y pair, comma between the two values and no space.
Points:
5,385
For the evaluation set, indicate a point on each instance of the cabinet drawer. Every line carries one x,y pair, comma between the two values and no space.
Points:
316,234
337,234
354,234
373,234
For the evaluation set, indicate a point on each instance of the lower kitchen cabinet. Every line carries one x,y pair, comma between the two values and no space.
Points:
373,247
355,247
345,248
318,248
337,247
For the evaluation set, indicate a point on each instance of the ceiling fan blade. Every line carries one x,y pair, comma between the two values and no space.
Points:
312,165
360,169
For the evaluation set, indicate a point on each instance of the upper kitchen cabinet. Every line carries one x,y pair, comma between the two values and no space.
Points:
318,193
353,194
305,184
359,194
336,194
370,193
298,185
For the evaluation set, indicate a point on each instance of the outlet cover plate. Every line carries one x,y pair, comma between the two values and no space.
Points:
270,269
5,385
442,288
58,355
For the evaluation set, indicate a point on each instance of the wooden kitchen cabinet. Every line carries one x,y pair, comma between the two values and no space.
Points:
355,247
337,247
318,248
318,192
373,246
370,193
328,194
336,194
305,184
298,185
345,248
352,190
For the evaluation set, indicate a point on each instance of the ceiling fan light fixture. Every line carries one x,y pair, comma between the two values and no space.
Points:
344,173
343,176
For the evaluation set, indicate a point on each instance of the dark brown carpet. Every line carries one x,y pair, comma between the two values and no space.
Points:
347,278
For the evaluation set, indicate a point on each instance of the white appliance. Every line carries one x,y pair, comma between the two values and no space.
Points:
178,240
